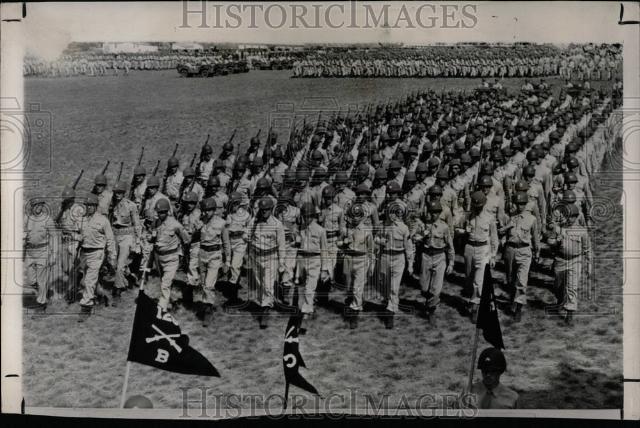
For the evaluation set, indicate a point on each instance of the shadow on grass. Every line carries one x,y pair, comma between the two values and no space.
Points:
597,391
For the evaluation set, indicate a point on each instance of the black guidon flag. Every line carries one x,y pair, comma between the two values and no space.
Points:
488,313
156,340
292,360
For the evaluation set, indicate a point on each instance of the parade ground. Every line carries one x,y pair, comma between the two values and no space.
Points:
95,120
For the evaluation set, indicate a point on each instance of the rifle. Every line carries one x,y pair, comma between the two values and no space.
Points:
166,174
73,186
155,169
145,197
120,171
201,158
193,159
106,167
132,191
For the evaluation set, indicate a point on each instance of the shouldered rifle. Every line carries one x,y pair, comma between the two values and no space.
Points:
106,167
155,169
120,171
166,173
201,158
77,180
132,191
193,160
73,186
145,196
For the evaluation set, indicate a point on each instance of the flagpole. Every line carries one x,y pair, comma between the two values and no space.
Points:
474,351
125,385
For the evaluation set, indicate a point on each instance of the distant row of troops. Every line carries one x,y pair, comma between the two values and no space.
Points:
408,206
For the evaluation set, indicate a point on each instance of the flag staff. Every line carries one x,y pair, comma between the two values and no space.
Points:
474,351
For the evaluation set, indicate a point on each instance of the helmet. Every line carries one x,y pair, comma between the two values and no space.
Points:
120,186
68,193
190,197
363,189
459,146
507,152
172,162
465,159
522,186
529,171
302,174
163,205
208,204
92,199
478,199
189,172
308,210
341,177
433,163
474,152
532,155
485,181
449,150
317,155
569,196
380,174
139,170
572,147
394,165
573,211
570,177
442,174
520,198
363,170
138,402
100,180
434,207
257,161
263,183
516,145
265,203
410,177
427,147
492,359
153,181
435,190
422,168
277,153
393,187
376,158
207,149
572,162
328,191
213,181
227,147
455,162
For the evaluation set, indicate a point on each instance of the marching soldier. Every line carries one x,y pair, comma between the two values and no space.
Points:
169,235
138,186
289,215
153,195
96,239
173,180
68,221
266,256
104,195
215,253
521,247
190,218
190,184
39,255
481,248
205,166
436,245
238,220
311,262
332,219
396,249
572,249
127,231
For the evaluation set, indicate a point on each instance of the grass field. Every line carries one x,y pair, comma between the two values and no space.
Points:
71,365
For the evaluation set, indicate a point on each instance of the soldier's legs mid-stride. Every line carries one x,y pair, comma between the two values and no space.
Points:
238,253
204,296
567,279
355,273
392,266
308,269
169,264
263,271
124,245
517,262
475,261
38,272
91,261
434,265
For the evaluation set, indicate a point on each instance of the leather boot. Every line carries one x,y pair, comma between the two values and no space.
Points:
353,320
116,297
568,319
473,312
207,315
85,313
517,312
388,320
264,318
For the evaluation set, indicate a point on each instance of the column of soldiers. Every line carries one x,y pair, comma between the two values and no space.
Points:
365,203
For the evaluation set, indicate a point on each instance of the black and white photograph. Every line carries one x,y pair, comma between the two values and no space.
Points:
219,209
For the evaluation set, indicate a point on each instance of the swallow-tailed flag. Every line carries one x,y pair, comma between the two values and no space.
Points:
292,360
488,313
156,340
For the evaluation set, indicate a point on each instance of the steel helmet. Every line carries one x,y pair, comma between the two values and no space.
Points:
442,174
190,197
257,161
570,177
153,181
308,210
227,147
92,199
139,170
163,205
520,198
208,204
100,180
363,189
265,203
573,211
207,149
422,168
478,199
516,144
120,186
189,172
434,207
380,174
569,196
487,169
328,191
433,163
213,181
394,165
302,175
410,177
485,181
522,186
68,193
532,155
341,177
455,162
465,159
435,190
492,360
572,162
263,183
173,162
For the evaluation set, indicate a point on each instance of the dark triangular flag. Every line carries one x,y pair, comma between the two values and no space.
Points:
488,313
157,341
291,359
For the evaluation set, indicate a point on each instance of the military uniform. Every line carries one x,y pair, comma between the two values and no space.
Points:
215,249
237,224
96,237
481,247
169,234
522,238
359,258
38,253
396,248
311,260
127,231
192,224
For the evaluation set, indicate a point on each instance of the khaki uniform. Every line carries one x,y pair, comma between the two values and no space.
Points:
169,234
172,186
69,225
104,201
289,218
192,224
333,221
522,235
38,250
127,231
481,246
396,249
359,256
215,249
237,224
311,260
266,251
571,248
437,251
96,236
